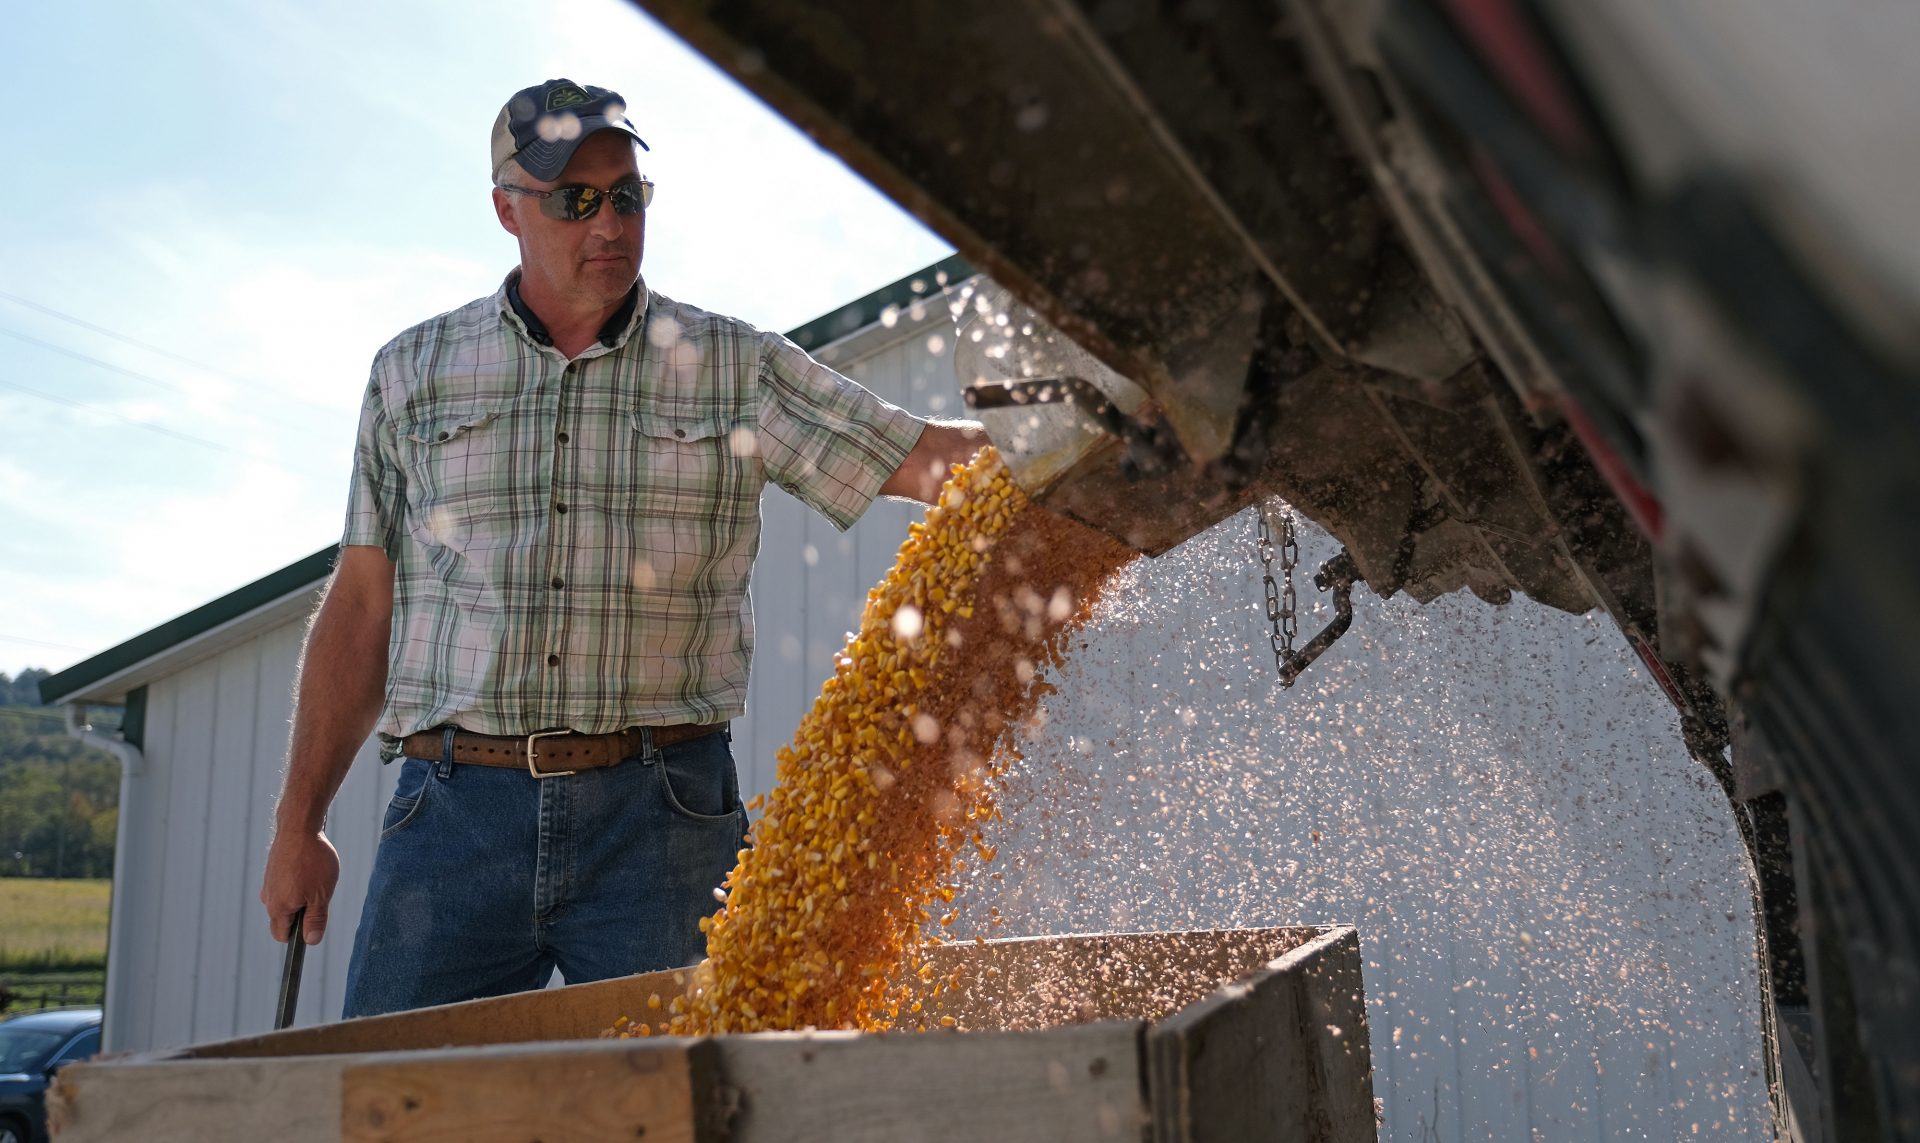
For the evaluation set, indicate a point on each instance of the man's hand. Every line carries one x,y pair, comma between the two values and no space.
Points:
942,445
302,869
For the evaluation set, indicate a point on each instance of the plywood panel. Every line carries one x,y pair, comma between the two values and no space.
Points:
635,1091
1226,1069
1078,1083
287,1101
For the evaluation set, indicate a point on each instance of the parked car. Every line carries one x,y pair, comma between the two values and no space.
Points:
32,1047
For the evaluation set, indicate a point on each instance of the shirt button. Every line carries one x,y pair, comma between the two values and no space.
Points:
558,582
564,438
681,433
560,508
553,660
444,436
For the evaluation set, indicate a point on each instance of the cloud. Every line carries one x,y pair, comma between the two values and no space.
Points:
112,529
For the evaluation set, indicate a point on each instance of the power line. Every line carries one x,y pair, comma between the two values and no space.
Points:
136,375
107,365
39,642
150,426
70,319
102,330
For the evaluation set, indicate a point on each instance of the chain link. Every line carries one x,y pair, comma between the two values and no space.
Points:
1282,605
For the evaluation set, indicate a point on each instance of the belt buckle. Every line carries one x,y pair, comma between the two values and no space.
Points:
531,768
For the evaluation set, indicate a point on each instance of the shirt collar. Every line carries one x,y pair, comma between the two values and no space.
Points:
612,334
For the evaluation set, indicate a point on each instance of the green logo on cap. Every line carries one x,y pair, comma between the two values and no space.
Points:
568,96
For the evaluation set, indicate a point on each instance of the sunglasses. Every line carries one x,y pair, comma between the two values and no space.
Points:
578,203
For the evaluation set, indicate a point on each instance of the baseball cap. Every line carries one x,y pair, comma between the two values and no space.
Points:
541,126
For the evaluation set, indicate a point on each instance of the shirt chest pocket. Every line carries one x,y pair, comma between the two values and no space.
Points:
691,465
455,461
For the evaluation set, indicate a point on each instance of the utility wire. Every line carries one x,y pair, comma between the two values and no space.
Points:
102,330
151,427
39,642
106,365
129,339
136,375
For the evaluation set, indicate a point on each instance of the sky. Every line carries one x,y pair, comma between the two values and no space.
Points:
215,213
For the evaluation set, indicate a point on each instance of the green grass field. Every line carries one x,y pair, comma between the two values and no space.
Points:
52,926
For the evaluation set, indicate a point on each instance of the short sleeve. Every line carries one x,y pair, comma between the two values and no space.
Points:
375,496
824,438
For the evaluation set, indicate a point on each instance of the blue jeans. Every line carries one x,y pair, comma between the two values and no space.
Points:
487,879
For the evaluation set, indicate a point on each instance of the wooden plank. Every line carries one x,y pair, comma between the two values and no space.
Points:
1010,984
1282,1056
576,1012
1071,1084
629,1089
1040,982
1340,1051
1062,1086
191,1101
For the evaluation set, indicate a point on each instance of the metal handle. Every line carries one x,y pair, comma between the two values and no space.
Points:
290,971
1337,575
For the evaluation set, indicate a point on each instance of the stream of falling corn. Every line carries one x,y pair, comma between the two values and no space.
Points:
880,799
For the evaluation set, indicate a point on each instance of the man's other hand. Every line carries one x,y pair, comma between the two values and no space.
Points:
942,445
302,869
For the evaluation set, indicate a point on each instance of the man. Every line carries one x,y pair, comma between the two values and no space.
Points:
541,594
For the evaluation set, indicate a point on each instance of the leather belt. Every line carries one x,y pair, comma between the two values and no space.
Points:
551,753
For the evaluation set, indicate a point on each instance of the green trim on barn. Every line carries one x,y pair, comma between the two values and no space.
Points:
133,719
295,576
853,316
857,315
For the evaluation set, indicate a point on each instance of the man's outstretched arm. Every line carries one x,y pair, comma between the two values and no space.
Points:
341,684
942,445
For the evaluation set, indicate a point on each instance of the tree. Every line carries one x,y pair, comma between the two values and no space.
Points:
59,799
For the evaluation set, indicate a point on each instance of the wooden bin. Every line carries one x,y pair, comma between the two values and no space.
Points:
1237,1035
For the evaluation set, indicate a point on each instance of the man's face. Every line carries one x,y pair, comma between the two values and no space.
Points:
592,262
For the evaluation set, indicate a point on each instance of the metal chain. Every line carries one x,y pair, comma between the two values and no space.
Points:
1282,606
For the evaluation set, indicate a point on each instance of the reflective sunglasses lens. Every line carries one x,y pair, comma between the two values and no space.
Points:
631,198
579,202
558,204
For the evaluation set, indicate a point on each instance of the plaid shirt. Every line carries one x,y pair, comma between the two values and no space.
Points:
572,539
